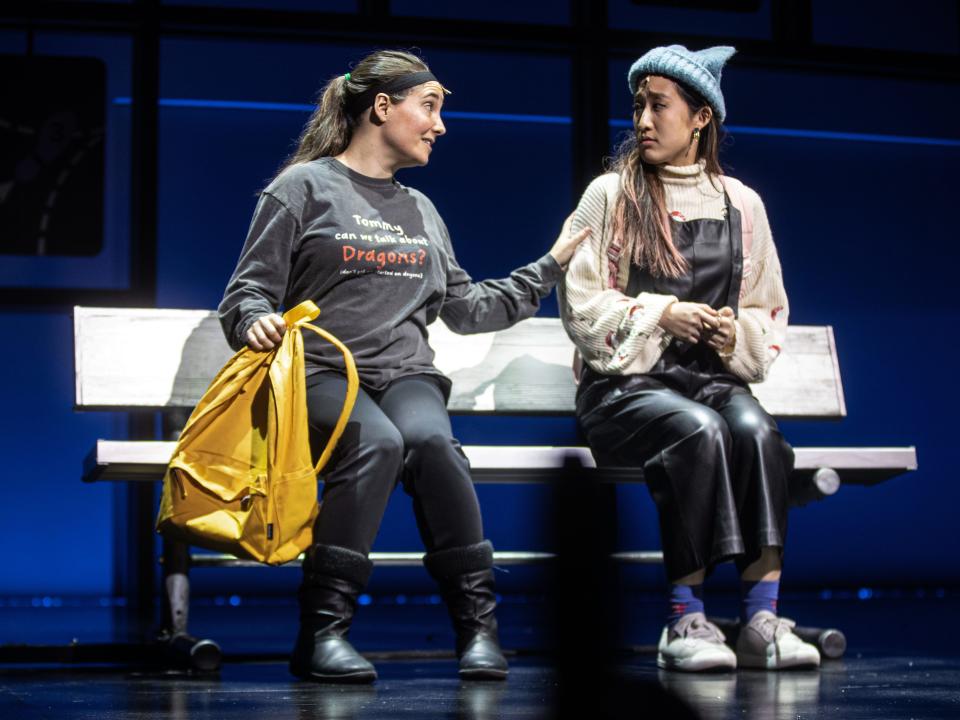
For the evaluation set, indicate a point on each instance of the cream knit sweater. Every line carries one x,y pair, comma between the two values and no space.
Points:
618,334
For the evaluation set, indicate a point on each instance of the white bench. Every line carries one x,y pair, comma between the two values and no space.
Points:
145,359
135,359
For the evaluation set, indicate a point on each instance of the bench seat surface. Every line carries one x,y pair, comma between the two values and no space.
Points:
147,460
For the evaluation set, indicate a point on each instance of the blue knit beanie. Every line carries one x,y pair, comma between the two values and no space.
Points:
699,70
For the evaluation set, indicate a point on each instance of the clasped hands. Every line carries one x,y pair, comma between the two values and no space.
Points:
696,322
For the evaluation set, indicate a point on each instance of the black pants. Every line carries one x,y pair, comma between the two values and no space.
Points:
399,433
713,459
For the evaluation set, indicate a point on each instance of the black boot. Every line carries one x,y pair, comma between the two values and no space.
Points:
333,577
465,576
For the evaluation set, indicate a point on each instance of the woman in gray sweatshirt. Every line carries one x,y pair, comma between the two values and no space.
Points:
335,227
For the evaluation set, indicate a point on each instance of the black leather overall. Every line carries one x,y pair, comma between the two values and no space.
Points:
714,460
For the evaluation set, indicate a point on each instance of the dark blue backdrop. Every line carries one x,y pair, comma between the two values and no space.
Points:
863,226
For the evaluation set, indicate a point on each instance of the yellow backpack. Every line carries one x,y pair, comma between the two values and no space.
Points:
242,479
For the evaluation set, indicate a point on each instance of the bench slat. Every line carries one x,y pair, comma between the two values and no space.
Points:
128,358
147,460
412,559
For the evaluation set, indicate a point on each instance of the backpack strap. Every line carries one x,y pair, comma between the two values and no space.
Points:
615,249
613,263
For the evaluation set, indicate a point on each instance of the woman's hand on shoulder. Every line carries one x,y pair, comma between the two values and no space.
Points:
566,244
688,321
266,333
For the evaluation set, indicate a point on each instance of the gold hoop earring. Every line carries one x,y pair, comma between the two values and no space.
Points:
696,133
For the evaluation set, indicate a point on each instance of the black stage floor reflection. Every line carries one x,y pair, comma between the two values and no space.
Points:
901,663
865,687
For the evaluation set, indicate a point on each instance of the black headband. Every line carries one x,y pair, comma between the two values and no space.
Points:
357,103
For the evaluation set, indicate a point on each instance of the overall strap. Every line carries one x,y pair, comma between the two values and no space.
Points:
742,202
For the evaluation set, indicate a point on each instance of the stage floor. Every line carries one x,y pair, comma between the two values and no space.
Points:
874,687
900,663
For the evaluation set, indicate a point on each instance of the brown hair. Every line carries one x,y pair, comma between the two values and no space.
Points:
640,214
330,127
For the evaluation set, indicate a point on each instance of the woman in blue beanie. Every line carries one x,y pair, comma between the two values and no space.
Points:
675,305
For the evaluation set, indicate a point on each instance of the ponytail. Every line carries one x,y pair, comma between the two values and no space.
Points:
329,129
331,126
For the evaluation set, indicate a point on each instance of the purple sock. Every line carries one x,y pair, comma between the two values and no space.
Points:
757,595
684,599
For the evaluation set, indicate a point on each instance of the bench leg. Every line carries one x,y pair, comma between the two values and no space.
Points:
182,649
176,587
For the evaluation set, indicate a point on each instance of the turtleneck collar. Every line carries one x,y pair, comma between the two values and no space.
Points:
684,174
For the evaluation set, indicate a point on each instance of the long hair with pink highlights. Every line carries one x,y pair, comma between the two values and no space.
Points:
640,222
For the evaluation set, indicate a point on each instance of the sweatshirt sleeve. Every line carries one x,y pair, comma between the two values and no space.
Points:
761,322
488,305
615,333
259,282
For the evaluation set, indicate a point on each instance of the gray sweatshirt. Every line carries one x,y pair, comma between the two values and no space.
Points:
376,259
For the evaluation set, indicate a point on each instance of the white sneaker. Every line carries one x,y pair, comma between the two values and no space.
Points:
768,642
694,644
